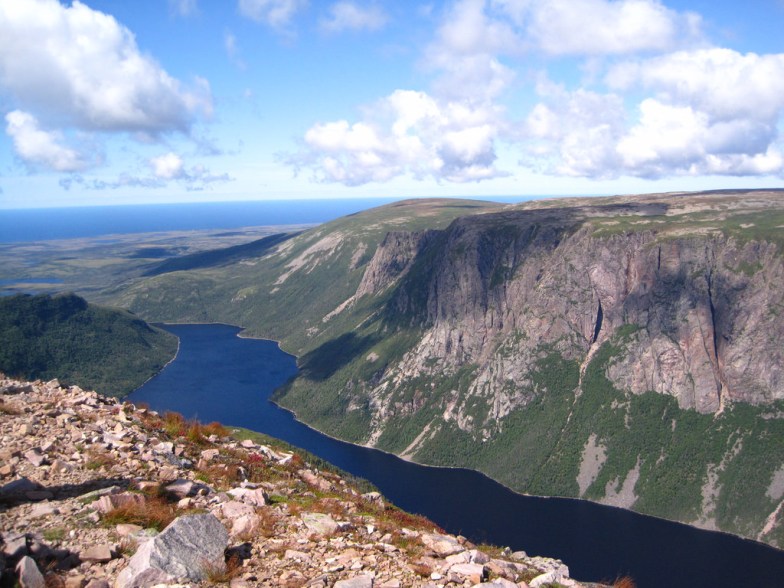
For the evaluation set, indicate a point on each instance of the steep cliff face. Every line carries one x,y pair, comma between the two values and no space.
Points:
614,353
701,312
392,260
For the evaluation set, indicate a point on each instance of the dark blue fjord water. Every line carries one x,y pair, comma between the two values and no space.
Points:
219,376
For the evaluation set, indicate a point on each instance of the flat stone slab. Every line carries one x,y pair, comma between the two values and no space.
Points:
254,496
128,529
35,457
234,509
472,571
182,488
358,582
442,545
323,524
97,553
111,501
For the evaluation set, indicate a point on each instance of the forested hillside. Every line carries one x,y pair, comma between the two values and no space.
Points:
64,337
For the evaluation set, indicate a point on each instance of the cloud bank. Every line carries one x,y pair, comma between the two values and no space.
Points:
660,100
89,76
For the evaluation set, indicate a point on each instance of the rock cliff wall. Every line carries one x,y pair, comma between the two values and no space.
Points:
701,312
632,366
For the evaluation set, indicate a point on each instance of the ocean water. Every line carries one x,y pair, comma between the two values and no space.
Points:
40,224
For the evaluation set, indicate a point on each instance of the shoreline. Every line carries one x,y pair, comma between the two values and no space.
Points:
517,492
163,367
294,415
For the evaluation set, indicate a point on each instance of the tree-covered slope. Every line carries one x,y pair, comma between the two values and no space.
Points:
64,337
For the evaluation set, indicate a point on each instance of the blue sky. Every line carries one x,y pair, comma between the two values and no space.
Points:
114,102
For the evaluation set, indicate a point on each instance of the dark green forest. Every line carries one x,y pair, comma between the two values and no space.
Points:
96,348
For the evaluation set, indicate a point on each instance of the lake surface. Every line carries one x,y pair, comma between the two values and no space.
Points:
219,376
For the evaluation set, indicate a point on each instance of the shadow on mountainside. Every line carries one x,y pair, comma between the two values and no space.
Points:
23,491
322,363
216,257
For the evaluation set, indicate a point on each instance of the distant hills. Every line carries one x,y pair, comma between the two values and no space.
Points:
625,350
64,337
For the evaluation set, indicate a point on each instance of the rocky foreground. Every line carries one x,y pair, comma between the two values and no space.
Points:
97,493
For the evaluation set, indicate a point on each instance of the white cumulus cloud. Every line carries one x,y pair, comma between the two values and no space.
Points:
606,27
89,73
601,27
411,133
348,16
168,166
575,133
707,111
77,69
721,82
712,111
469,29
467,52
681,140
183,7
165,168
171,166
449,133
39,147
655,100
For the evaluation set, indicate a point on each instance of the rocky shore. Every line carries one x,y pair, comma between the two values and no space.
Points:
97,493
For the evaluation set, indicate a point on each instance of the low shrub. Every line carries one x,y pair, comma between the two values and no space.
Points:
154,513
223,573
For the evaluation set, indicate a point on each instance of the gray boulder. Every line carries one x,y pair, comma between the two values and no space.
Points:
15,545
109,502
374,498
35,457
97,553
182,488
442,545
471,571
252,496
186,549
358,582
29,574
319,523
